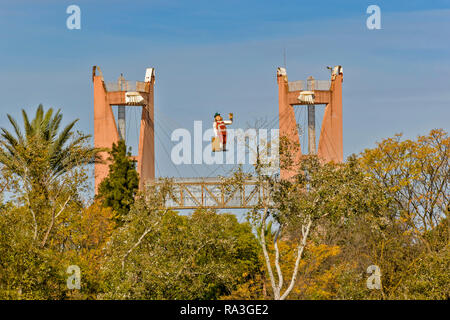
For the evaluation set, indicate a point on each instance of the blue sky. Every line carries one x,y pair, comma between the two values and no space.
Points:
222,56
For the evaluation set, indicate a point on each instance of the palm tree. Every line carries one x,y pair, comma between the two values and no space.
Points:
40,159
42,136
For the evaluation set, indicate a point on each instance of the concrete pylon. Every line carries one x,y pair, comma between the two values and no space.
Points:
105,127
286,118
331,136
146,157
331,143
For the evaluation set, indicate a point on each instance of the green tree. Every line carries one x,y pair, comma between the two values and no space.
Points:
158,254
118,190
302,206
45,166
26,270
44,172
429,278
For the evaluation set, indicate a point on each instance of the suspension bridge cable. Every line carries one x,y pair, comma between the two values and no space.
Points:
179,125
163,129
167,153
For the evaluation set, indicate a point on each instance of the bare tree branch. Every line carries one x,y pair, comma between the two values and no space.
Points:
277,261
52,222
276,292
305,232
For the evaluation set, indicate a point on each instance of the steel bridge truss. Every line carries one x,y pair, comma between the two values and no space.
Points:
214,193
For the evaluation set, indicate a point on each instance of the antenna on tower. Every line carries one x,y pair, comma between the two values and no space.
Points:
284,58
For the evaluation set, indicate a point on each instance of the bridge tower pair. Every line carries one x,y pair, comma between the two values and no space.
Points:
106,132
131,94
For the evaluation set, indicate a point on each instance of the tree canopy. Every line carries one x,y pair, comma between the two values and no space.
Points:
386,208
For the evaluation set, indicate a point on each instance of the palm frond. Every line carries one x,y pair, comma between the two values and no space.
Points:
63,136
36,123
27,124
56,121
45,125
9,137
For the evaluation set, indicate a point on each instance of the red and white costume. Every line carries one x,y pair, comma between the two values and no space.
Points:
220,131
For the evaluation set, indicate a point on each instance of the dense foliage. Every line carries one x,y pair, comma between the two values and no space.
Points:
388,207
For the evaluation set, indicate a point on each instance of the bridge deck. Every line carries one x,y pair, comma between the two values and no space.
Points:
214,193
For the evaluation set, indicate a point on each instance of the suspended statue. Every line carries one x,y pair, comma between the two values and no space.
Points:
219,142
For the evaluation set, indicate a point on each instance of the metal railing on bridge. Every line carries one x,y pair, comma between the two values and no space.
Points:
125,86
215,193
304,85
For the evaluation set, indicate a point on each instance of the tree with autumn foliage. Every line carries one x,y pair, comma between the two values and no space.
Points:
300,208
415,176
408,236
85,237
386,207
